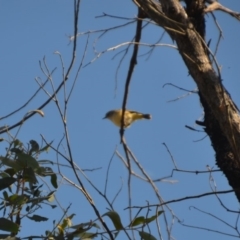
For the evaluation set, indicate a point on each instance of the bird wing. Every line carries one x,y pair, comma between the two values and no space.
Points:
127,120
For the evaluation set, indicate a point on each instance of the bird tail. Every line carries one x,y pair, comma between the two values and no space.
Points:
147,116
138,115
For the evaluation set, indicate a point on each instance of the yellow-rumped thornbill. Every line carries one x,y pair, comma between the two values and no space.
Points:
129,117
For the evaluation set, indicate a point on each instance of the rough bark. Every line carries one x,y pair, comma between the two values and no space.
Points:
222,120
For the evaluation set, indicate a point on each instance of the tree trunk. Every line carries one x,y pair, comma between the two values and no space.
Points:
222,121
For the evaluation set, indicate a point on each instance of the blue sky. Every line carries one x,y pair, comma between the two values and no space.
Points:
32,30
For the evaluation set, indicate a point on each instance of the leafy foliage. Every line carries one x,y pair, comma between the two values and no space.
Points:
22,195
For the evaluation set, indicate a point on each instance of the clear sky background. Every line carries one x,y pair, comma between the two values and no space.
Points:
32,30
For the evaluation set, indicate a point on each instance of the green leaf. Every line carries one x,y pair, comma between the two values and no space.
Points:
87,224
148,220
45,162
27,161
18,199
143,220
146,236
71,216
35,201
51,196
137,221
38,218
6,182
5,195
54,180
17,142
67,222
10,163
16,150
36,192
8,226
85,235
10,171
41,171
46,148
34,146
29,175
4,174
115,219
45,171
8,237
